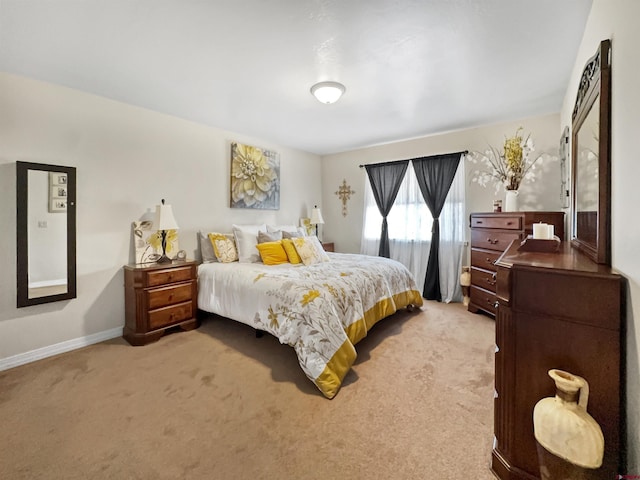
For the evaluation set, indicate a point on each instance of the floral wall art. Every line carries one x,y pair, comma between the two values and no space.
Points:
148,242
255,178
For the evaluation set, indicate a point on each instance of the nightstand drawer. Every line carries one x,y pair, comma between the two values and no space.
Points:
171,275
502,222
168,315
493,239
161,297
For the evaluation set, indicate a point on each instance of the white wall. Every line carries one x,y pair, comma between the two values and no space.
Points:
617,20
544,194
127,159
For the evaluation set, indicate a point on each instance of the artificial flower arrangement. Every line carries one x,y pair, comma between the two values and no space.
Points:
508,168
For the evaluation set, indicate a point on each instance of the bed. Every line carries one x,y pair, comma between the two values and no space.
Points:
320,310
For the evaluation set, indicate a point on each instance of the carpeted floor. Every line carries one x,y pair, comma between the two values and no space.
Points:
217,403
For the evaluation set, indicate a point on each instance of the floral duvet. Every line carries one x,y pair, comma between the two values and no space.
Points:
320,310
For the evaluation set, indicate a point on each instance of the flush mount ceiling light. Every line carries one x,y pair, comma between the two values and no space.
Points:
328,92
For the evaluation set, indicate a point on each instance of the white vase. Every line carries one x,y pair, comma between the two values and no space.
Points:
569,441
511,201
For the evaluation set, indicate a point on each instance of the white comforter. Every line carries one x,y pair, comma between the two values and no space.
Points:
320,310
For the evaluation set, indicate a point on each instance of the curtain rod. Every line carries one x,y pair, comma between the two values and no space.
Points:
464,152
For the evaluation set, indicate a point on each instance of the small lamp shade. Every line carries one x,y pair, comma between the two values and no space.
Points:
316,216
164,218
164,221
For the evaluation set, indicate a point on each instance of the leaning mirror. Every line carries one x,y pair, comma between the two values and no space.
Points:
46,233
591,162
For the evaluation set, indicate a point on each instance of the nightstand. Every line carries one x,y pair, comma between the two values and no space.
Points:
328,247
159,297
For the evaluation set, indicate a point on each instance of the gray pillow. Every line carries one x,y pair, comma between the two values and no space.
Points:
264,237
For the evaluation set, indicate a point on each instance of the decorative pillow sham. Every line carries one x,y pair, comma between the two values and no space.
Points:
310,250
290,250
224,247
292,230
269,236
246,241
272,253
206,248
286,234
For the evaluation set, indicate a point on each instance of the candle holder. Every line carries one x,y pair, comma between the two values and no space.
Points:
540,245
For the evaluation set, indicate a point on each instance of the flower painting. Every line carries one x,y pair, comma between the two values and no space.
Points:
255,178
148,242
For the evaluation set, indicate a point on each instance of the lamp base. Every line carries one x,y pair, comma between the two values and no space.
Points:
164,259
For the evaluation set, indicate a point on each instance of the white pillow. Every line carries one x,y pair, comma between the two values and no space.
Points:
246,241
206,249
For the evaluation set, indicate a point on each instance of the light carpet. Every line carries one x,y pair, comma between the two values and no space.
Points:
218,403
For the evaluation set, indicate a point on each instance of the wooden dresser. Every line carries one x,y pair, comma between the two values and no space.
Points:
491,234
555,310
159,297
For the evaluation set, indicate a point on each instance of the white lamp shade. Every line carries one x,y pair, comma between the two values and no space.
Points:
316,217
164,218
328,92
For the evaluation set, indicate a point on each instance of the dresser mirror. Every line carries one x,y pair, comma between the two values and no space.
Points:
46,233
591,162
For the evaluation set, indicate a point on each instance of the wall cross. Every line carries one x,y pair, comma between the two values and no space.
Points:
344,192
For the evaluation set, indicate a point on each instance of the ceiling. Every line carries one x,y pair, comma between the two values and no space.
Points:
411,67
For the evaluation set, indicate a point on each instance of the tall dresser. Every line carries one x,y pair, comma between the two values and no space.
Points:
556,310
491,234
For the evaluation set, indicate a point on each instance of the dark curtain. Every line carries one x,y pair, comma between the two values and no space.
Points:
435,175
385,179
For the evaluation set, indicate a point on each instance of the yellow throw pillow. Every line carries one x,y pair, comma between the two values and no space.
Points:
290,250
272,253
223,247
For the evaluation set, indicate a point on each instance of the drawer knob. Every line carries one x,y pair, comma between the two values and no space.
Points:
489,261
496,305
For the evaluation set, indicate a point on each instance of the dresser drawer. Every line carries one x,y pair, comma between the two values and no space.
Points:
161,297
493,239
484,279
168,315
171,275
484,258
502,222
483,299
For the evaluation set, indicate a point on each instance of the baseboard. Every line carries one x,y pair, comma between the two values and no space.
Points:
58,348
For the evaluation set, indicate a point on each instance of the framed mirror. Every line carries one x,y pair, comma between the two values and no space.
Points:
591,159
46,233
